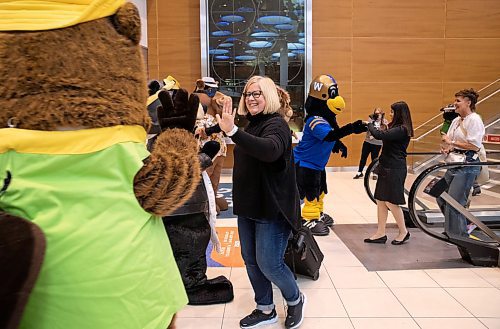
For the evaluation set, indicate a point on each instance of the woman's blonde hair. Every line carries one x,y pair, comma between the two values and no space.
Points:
268,88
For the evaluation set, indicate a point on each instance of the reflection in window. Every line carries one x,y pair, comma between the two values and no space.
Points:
256,37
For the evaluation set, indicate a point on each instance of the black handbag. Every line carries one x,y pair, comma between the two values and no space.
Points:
303,255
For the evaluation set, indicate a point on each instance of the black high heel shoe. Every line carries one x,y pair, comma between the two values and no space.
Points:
382,239
397,243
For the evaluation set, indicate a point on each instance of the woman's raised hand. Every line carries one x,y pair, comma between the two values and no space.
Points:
226,122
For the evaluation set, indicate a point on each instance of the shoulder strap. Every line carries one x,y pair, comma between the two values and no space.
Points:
465,133
461,125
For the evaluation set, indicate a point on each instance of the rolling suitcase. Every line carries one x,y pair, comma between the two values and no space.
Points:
303,255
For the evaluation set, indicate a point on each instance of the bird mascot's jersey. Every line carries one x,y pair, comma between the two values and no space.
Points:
312,151
81,195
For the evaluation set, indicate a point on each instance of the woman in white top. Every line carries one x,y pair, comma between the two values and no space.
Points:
464,137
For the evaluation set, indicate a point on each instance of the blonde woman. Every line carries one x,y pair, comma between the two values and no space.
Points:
265,199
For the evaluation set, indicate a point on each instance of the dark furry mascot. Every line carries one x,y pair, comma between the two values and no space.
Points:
190,229
74,163
321,136
192,225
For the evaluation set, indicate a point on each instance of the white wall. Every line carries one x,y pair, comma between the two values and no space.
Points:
141,5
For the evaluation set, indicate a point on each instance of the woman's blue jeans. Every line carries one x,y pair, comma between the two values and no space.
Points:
460,181
263,244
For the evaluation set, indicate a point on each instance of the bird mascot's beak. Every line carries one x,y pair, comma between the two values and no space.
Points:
336,105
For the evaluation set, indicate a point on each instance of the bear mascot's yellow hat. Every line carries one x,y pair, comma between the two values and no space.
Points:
28,15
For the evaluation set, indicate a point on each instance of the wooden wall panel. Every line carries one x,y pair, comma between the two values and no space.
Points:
474,19
332,56
389,18
180,59
451,88
177,39
397,60
179,19
152,12
332,18
472,60
424,99
153,65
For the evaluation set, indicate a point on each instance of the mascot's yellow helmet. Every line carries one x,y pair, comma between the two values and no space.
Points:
324,87
171,83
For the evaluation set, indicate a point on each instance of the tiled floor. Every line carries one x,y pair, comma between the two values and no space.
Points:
348,296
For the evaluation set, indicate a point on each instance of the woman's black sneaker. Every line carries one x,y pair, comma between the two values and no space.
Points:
258,318
295,314
358,176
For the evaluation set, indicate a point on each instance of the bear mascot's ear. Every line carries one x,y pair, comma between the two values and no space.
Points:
200,84
218,102
153,87
127,22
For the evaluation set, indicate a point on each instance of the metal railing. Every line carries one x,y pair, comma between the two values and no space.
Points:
440,115
489,109
423,212
483,251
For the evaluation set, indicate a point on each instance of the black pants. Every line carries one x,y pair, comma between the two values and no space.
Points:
371,149
311,183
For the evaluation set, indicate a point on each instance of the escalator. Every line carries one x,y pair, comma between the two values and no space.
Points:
482,246
369,183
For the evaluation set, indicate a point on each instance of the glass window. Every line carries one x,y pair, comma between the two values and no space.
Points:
255,37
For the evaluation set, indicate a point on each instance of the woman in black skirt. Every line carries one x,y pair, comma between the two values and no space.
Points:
391,170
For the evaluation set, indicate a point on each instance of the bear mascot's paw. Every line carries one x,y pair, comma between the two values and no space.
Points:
22,248
160,185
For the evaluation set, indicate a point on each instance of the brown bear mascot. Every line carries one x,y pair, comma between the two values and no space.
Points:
207,129
77,177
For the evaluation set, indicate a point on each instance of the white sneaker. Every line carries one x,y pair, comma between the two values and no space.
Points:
471,227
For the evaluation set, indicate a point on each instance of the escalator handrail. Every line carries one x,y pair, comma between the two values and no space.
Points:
414,188
418,182
374,162
366,179
369,169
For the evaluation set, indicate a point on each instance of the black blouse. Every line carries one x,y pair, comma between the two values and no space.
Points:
264,184
395,141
